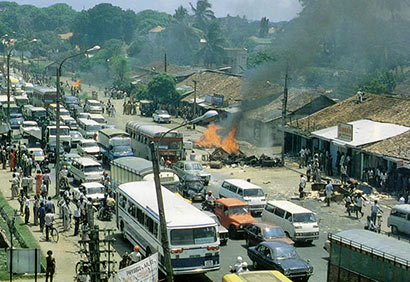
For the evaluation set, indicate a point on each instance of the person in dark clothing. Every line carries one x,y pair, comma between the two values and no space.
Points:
51,266
42,215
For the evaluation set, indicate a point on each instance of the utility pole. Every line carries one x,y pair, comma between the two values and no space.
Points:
195,82
284,108
165,62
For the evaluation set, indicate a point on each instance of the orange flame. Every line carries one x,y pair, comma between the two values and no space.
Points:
77,83
210,138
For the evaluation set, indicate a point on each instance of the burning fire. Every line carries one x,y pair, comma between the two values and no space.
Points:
210,138
76,84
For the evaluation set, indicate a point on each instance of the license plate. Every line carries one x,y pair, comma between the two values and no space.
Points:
209,263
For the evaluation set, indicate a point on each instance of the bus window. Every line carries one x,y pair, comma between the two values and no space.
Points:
150,225
140,216
131,209
155,229
123,201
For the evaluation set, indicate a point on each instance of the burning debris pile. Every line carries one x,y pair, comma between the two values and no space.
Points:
227,149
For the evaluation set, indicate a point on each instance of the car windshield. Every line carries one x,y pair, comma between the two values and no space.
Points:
63,131
29,124
38,153
95,127
162,112
122,149
193,166
304,217
93,103
16,115
94,190
195,185
238,210
193,236
76,134
89,144
285,253
273,232
95,168
253,192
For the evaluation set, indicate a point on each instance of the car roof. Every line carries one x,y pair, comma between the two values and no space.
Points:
289,206
242,183
403,207
88,141
231,202
92,184
275,244
93,101
87,161
264,225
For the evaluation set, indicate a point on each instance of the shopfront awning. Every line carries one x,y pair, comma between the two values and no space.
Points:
364,132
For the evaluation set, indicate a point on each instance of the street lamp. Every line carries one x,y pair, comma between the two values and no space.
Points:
94,49
208,116
8,80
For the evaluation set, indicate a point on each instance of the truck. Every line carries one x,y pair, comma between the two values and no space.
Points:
114,143
146,108
362,255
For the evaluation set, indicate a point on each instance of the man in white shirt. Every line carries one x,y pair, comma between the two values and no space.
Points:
302,186
49,219
374,210
329,192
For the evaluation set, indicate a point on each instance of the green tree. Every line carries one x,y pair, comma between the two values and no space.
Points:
162,89
379,82
264,27
119,67
202,13
181,14
261,57
212,51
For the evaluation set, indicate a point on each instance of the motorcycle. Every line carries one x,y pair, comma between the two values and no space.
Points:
208,206
105,213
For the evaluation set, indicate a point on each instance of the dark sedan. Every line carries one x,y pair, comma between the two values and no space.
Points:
16,119
280,256
256,233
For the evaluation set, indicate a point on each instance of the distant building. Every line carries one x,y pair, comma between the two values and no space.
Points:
154,33
237,59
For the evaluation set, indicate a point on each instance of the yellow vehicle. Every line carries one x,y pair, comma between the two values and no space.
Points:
256,276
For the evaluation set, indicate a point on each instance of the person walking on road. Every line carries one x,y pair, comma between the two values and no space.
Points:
36,206
50,206
14,186
51,266
27,209
42,216
358,202
374,210
302,186
77,217
329,192
49,219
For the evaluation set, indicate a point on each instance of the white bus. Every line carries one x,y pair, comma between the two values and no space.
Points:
170,147
193,236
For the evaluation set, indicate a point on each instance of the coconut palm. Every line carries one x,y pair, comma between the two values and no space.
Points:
203,13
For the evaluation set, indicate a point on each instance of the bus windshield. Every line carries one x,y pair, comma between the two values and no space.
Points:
175,145
95,168
193,236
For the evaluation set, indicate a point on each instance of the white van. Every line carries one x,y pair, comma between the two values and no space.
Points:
98,118
245,191
399,219
299,223
86,170
88,128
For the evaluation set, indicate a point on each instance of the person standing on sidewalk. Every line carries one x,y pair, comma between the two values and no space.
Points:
27,209
42,216
329,192
49,219
51,266
77,217
14,186
36,206
302,186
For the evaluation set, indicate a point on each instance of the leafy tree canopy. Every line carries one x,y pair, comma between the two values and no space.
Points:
162,89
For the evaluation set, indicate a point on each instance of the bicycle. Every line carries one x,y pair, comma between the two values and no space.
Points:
54,233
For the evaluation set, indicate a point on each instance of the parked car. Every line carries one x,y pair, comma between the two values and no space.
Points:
399,219
190,167
76,137
38,154
89,147
94,191
223,232
234,215
16,119
280,256
161,116
256,233
192,187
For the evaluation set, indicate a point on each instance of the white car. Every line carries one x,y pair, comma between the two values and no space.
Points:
88,147
30,128
161,116
93,191
38,154
93,107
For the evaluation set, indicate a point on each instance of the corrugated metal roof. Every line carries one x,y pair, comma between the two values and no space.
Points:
378,242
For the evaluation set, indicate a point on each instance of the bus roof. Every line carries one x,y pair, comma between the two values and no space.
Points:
152,129
114,132
178,212
139,165
378,244
88,121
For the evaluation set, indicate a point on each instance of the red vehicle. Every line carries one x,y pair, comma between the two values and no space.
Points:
234,215
256,233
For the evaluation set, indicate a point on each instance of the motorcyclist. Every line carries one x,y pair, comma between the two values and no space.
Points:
107,208
209,202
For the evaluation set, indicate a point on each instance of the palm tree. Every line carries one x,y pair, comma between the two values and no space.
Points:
212,51
181,14
203,13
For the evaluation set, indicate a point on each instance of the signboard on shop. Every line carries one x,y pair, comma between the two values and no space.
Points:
143,271
345,132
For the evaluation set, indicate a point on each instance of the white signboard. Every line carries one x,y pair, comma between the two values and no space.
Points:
345,132
24,260
143,271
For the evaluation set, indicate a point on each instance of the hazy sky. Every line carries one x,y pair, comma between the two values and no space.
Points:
275,10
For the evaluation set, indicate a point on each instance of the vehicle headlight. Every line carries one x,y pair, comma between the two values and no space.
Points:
241,226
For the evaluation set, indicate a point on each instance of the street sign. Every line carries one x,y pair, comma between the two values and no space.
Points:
345,132
143,271
25,260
